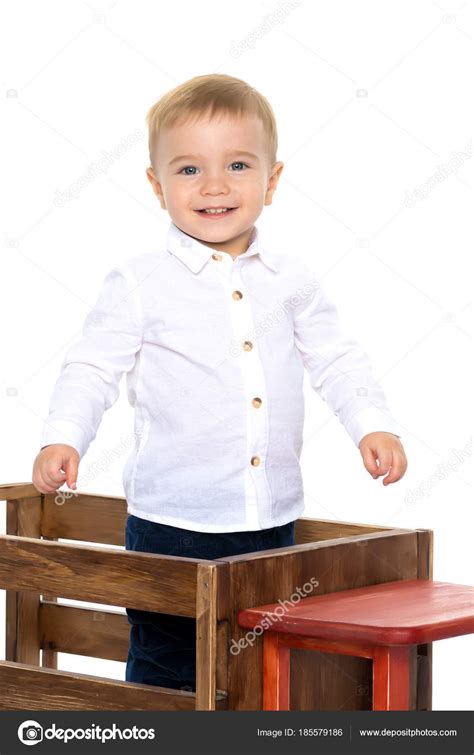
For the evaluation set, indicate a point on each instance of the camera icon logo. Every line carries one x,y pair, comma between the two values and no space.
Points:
30,732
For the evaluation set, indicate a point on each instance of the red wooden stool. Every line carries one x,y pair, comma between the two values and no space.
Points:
379,622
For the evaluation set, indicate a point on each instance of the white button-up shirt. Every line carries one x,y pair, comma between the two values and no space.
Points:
214,350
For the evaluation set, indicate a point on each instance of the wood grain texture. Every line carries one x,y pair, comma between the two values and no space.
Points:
13,491
90,518
276,673
308,530
34,563
206,637
81,630
318,681
26,687
100,575
22,628
391,678
404,612
101,519
49,657
391,669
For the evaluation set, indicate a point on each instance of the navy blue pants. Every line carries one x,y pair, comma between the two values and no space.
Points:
162,648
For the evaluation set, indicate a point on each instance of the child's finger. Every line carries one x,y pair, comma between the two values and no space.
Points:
56,476
71,469
385,462
44,486
397,470
368,457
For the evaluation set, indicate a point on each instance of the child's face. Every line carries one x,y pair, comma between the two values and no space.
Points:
215,172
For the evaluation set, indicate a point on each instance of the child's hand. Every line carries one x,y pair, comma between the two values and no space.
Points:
48,474
388,449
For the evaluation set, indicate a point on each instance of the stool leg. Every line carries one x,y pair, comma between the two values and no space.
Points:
391,677
276,673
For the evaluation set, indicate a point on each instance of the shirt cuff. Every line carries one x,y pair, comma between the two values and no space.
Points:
64,431
371,420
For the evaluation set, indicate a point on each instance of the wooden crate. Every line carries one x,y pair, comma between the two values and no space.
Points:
37,568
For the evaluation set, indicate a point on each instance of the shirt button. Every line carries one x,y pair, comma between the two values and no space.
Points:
257,402
255,461
237,294
217,257
248,345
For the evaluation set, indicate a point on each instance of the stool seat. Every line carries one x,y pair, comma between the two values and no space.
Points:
384,622
404,612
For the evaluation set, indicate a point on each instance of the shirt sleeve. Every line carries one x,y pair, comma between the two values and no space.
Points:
339,369
88,383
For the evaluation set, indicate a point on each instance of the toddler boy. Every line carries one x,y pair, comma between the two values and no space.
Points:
213,331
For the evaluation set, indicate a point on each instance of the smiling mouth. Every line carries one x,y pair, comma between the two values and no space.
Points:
217,212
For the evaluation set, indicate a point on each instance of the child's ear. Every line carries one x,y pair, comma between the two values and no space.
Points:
156,186
273,181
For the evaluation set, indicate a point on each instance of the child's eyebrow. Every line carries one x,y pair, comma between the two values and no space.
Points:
229,152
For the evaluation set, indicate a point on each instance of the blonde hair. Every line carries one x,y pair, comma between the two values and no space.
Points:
211,94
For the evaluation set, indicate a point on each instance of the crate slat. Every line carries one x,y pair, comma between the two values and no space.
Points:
81,630
100,575
23,685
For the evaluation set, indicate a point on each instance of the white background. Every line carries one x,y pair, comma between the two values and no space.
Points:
374,108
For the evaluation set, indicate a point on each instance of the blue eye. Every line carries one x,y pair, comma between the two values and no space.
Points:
192,167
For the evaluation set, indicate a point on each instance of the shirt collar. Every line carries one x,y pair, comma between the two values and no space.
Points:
195,254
